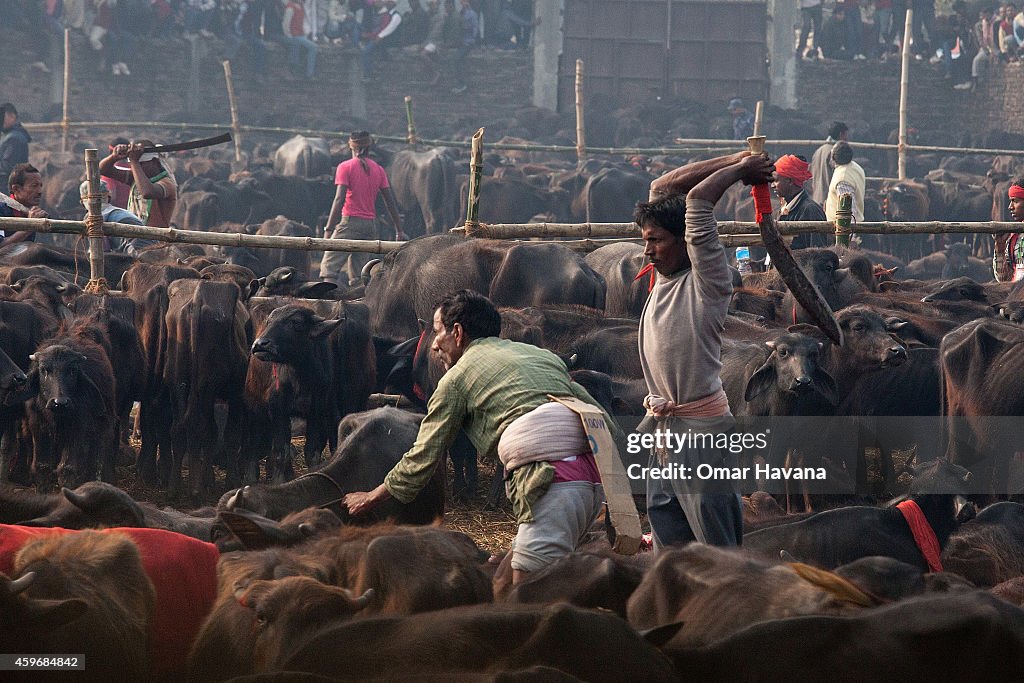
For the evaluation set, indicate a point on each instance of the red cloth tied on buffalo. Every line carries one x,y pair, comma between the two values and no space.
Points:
794,168
1015,192
183,571
924,535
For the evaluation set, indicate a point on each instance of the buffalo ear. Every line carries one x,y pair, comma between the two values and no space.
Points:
255,286
314,290
323,327
812,331
759,382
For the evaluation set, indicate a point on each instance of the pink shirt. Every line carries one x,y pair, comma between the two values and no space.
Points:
363,187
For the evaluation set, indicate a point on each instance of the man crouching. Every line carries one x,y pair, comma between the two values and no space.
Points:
498,391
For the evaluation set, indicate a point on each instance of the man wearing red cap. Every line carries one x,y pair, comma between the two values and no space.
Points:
1008,255
791,173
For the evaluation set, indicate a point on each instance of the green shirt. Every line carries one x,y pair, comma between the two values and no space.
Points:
493,383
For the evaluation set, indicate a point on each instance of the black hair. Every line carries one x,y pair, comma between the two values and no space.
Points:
667,212
474,311
7,107
17,176
842,153
836,129
1018,181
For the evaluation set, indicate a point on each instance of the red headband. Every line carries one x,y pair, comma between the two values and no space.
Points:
1016,192
793,168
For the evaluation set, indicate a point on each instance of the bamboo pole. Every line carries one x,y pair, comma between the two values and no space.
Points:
233,104
411,136
844,218
67,90
581,136
475,179
226,239
97,283
631,231
692,145
901,149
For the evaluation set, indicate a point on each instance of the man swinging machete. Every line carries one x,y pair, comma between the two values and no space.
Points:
154,190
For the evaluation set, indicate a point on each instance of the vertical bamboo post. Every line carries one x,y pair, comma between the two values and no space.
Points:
901,150
94,224
581,137
67,90
411,136
475,176
844,219
233,104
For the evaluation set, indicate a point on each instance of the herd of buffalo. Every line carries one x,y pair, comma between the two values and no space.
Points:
226,354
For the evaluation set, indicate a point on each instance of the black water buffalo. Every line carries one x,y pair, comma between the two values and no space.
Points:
99,577
263,261
21,331
425,189
611,194
988,549
304,157
835,537
412,279
66,260
287,281
208,332
559,641
369,445
980,364
835,284
294,345
906,641
146,284
71,417
619,264
783,376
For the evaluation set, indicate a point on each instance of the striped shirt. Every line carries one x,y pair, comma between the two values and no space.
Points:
493,383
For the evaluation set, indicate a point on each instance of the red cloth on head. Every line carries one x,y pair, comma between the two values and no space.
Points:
183,571
1015,192
793,168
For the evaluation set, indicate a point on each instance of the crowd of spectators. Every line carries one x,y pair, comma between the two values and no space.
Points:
114,28
962,45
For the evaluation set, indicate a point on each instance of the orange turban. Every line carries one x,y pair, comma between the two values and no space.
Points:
793,168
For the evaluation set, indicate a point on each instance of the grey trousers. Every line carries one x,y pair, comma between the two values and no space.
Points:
681,511
343,267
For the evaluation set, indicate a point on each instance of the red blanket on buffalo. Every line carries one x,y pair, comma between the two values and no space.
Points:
183,571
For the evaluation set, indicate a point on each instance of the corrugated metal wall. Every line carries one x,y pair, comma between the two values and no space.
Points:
633,49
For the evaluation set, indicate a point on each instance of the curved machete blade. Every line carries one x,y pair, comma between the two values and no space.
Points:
803,289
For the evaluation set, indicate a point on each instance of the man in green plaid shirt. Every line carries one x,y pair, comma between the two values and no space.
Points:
498,391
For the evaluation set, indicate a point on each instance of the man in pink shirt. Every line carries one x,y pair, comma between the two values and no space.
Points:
359,180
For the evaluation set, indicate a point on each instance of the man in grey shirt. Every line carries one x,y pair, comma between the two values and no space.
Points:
681,343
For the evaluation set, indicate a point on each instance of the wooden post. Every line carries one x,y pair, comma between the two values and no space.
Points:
901,150
94,225
844,218
411,136
67,90
233,104
475,177
581,137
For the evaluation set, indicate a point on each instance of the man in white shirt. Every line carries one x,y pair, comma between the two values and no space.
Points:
847,178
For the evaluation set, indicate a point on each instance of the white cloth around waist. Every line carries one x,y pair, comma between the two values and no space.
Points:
548,432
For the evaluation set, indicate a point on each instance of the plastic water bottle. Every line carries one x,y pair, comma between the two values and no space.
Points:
743,259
